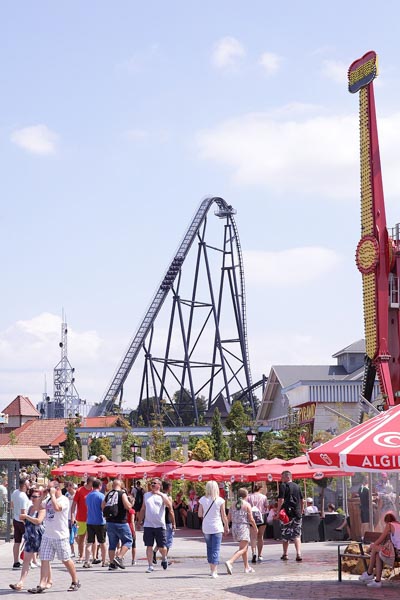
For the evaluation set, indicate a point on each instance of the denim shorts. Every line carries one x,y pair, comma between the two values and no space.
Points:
119,532
169,535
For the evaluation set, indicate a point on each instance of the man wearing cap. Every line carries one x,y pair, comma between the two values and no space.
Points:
310,508
152,515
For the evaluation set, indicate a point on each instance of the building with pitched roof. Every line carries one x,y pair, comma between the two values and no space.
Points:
311,390
19,411
49,434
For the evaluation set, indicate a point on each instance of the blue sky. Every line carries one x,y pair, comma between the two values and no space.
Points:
118,118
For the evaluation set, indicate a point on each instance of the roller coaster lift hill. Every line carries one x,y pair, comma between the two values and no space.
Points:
226,371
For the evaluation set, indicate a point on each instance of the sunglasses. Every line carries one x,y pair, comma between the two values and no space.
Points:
38,496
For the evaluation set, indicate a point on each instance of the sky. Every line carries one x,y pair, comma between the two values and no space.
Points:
117,119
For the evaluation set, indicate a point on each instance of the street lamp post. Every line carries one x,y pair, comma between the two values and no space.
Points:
134,448
251,438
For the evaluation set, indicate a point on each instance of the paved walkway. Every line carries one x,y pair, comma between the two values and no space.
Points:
187,578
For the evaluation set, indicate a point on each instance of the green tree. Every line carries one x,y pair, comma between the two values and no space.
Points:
237,422
12,439
220,446
202,451
100,445
72,449
127,440
159,448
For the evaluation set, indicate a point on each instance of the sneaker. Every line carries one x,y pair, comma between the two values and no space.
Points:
154,558
112,567
374,584
72,554
96,561
34,565
254,559
119,562
134,563
249,570
87,565
150,569
365,577
17,565
164,564
228,567
260,559
214,574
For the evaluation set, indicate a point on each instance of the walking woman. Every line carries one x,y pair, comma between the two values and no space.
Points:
215,523
241,516
32,536
259,505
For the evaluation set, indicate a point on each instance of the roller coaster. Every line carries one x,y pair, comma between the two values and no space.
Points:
199,320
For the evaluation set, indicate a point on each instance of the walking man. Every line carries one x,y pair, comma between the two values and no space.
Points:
291,500
96,525
79,505
115,509
55,540
20,504
152,515
170,525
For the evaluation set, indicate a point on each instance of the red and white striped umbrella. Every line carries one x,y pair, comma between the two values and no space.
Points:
372,446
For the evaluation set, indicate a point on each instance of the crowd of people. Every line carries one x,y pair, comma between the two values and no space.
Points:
96,523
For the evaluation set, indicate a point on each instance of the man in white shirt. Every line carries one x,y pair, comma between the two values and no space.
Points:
152,514
20,504
55,540
310,508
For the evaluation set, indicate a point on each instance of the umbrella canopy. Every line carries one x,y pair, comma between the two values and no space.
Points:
82,467
162,468
372,446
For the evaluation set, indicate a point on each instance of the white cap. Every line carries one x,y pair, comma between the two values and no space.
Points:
310,500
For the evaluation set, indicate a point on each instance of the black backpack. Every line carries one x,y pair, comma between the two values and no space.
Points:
111,508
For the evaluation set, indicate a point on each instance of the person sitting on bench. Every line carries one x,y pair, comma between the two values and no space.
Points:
392,529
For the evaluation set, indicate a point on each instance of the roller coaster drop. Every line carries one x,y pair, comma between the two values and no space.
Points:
228,366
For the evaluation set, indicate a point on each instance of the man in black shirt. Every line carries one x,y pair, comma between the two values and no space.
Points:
117,525
291,500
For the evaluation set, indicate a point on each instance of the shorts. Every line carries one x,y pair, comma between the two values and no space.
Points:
291,530
155,534
51,547
19,530
169,535
119,532
96,531
82,528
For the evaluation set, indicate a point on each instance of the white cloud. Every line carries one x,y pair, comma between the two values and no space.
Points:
270,62
227,53
37,139
287,153
295,266
335,71
141,60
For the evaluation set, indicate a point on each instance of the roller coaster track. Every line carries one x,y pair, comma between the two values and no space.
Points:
116,385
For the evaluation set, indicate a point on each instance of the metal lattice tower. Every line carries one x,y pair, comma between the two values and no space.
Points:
217,286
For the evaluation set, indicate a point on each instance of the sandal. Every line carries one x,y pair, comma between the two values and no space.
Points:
299,558
284,557
74,587
16,587
37,590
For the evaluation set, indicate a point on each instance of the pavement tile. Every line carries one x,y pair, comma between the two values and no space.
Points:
187,578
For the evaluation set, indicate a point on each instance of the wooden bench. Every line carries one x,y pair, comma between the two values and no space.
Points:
369,538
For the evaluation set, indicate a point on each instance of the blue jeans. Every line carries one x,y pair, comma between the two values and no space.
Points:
213,541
